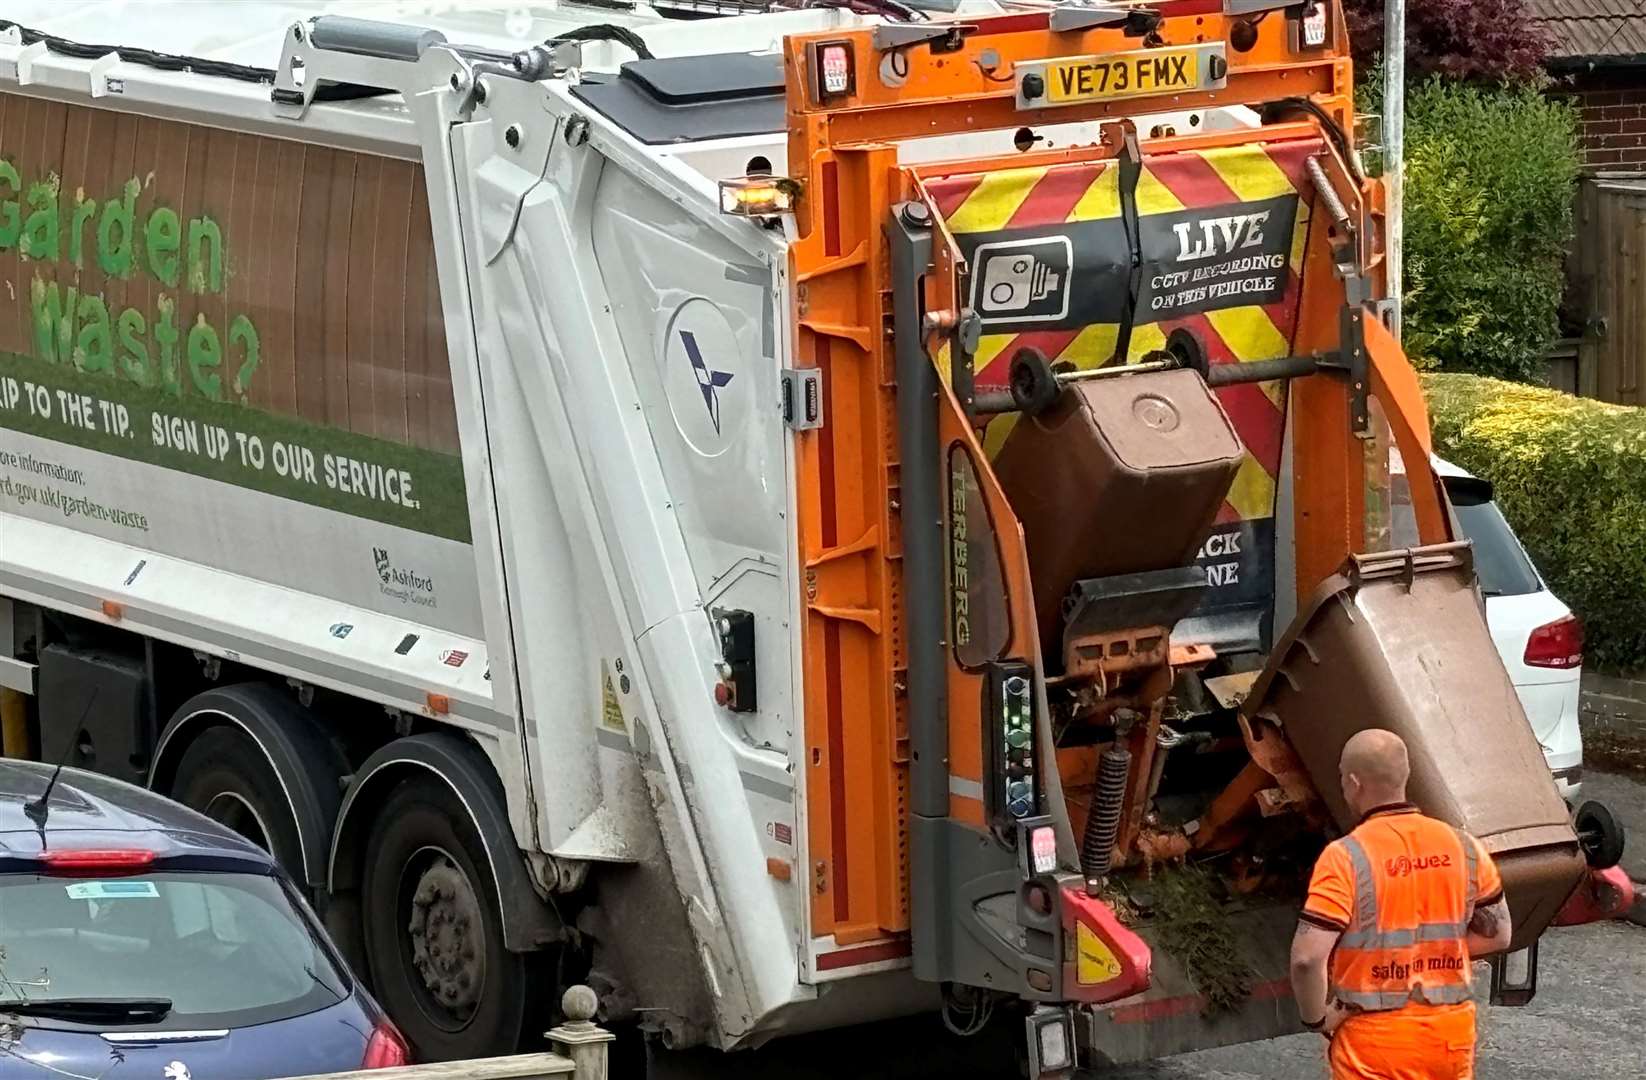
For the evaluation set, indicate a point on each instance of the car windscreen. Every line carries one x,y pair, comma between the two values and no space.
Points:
1500,561
227,950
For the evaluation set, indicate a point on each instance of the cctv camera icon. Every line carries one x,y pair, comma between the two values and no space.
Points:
1013,284
1023,280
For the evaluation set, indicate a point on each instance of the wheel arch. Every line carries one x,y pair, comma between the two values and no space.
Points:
288,736
529,922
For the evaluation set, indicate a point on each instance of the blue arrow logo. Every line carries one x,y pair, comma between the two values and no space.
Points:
708,381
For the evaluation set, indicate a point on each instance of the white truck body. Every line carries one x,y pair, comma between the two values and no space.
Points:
610,505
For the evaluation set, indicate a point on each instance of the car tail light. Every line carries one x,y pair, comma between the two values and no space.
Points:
385,1049
100,861
1556,645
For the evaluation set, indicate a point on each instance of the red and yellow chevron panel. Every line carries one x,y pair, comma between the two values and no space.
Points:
1223,231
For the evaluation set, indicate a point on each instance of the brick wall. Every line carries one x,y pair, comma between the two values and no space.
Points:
1613,119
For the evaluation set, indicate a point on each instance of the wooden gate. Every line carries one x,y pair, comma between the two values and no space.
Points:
1608,272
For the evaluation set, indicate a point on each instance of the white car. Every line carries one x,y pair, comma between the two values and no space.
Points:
1539,638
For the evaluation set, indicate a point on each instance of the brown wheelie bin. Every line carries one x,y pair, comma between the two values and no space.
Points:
1398,640
1121,475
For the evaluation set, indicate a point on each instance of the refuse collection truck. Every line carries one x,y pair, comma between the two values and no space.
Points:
792,516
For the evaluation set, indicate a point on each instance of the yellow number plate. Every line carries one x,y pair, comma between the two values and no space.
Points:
1122,76
1094,78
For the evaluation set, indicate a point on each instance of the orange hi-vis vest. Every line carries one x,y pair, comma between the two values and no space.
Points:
1401,888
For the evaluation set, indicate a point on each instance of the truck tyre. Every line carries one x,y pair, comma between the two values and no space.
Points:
224,775
250,757
433,929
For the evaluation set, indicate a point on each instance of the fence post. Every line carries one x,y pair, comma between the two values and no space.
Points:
579,1038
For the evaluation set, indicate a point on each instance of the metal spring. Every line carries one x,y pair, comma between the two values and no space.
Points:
1103,823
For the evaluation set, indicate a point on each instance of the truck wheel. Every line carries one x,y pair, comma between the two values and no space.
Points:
224,775
433,932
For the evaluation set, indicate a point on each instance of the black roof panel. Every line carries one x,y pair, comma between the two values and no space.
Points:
692,98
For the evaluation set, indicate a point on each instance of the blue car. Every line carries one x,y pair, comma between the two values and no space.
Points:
141,939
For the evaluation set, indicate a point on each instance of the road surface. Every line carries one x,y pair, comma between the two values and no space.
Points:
1586,1021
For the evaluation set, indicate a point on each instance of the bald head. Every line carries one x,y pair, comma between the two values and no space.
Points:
1374,770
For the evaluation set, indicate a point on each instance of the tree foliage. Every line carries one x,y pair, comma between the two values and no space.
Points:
1489,175
1480,40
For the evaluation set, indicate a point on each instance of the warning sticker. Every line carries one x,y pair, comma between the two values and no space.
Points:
611,713
1218,257
1095,962
1191,261
112,890
1022,281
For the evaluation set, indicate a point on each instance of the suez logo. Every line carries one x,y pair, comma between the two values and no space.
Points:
1406,865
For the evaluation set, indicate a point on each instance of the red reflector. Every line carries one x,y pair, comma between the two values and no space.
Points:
97,861
1556,645
386,1049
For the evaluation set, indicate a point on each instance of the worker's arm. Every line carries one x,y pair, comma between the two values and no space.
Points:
1326,914
1311,953
1489,929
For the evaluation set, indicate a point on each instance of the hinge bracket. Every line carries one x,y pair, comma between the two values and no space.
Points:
944,37
803,398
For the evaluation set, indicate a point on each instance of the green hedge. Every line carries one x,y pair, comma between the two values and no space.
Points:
1489,188
1570,475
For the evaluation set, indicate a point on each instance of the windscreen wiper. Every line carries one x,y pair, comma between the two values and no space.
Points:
93,1010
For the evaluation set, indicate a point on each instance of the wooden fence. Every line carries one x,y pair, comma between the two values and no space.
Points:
1608,273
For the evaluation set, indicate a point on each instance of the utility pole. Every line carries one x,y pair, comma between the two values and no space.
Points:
1394,151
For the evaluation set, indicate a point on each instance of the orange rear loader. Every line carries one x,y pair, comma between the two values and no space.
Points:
1056,379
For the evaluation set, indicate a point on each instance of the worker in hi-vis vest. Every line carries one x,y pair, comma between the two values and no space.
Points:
1396,913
